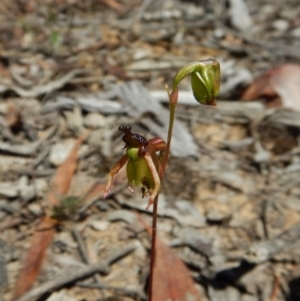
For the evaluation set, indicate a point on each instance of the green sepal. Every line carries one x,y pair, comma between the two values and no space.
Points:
138,171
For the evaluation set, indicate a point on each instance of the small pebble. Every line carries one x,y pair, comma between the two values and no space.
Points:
74,120
141,54
8,189
60,151
219,33
35,209
281,25
98,225
94,120
26,190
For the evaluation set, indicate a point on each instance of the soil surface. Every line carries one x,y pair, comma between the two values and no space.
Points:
72,72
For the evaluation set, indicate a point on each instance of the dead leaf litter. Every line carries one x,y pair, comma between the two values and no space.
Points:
71,72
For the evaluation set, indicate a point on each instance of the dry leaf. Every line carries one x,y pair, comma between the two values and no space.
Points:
171,280
45,231
283,81
114,5
41,239
63,176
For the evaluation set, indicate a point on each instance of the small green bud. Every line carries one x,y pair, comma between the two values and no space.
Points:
205,80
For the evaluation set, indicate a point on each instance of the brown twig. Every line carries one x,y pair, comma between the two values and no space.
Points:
81,246
131,293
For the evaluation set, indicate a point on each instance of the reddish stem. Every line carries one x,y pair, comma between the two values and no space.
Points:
173,98
153,243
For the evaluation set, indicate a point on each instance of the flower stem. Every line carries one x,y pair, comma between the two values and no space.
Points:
173,97
153,243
